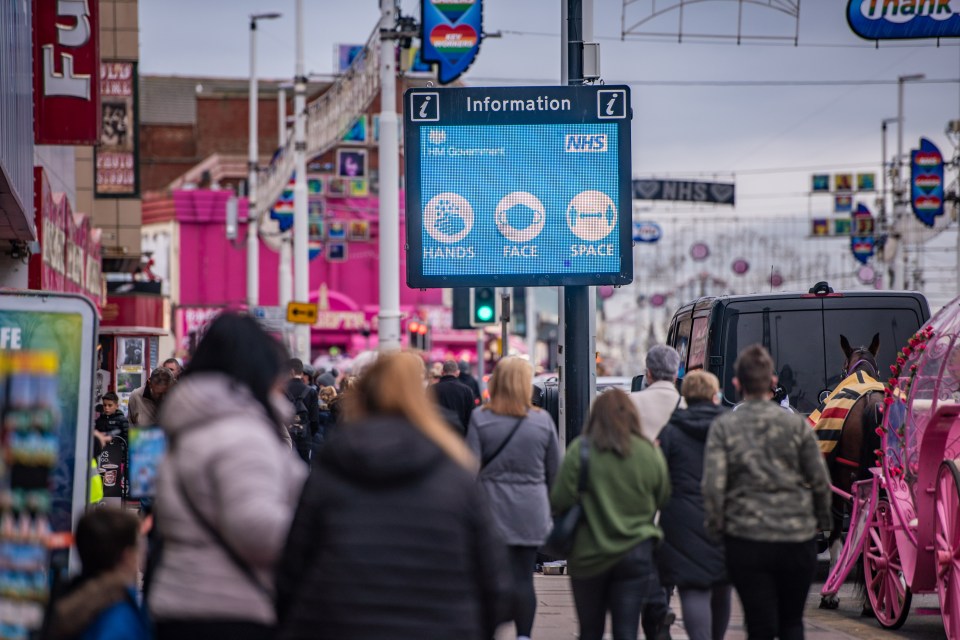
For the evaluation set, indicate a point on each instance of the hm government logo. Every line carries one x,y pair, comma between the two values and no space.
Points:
578,143
448,218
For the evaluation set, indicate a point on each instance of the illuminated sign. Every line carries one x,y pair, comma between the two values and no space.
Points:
520,186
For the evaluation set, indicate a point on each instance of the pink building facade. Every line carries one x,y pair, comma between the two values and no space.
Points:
204,273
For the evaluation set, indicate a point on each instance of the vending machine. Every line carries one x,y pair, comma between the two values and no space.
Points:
47,361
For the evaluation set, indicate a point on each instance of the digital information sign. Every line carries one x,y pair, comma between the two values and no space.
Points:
518,186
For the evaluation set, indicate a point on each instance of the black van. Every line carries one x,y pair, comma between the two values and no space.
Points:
801,331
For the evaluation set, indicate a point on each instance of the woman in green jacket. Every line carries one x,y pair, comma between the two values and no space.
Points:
612,564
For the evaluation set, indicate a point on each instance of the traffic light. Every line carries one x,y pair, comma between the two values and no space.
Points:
419,335
461,308
518,313
483,306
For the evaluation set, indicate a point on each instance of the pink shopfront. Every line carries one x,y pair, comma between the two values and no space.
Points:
207,273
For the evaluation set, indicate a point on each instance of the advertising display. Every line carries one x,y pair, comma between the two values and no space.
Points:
926,182
903,19
47,350
66,61
116,156
526,186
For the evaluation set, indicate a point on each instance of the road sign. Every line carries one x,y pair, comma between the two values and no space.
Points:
518,186
302,312
272,319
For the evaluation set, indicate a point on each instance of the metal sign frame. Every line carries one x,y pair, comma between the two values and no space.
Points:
459,107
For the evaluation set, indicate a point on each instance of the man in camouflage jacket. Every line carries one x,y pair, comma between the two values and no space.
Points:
766,491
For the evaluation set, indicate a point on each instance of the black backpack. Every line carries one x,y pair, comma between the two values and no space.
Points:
301,420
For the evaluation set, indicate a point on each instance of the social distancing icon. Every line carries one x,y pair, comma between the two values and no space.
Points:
591,215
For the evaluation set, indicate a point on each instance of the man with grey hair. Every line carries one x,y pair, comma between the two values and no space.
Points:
143,406
657,402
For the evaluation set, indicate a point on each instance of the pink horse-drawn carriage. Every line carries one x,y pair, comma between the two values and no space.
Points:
905,519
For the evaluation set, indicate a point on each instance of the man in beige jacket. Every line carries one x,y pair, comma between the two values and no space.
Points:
143,406
657,402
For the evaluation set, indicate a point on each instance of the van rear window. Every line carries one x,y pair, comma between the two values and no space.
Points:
796,344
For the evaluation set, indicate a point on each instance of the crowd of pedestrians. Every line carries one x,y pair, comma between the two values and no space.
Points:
392,502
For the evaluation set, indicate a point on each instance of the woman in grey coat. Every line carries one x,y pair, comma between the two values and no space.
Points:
519,456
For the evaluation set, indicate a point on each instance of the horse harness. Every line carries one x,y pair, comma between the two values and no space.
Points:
828,420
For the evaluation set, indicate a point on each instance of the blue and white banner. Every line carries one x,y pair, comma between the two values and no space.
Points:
452,31
926,182
904,19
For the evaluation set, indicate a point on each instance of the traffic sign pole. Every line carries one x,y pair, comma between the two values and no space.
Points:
578,365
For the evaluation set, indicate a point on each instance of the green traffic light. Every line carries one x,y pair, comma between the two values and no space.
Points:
485,314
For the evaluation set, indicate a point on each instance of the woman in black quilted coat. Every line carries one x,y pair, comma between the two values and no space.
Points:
689,558
393,537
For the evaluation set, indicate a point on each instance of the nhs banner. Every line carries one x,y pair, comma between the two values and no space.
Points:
519,186
903,19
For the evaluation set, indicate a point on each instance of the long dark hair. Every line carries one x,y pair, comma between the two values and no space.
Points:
612,421
235,345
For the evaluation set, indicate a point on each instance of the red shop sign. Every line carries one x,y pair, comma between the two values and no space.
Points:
66,70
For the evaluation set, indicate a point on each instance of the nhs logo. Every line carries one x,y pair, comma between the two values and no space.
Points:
582,143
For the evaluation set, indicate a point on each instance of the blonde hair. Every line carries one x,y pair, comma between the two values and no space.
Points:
511,387
393,385
328,393
699,386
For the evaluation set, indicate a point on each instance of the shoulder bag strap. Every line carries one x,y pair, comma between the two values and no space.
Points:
488,459
584,466
215,535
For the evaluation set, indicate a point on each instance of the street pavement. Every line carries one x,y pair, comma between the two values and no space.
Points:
557,620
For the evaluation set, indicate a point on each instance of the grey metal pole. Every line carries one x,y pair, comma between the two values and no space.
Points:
531,321
301,275
389,153
281,115
900,203
253,240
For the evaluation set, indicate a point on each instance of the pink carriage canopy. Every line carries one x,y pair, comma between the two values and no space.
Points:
925,378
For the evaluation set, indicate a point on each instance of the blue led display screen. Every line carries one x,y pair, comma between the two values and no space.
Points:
528,199
506,198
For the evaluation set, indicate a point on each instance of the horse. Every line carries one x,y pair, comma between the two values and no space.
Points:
853,456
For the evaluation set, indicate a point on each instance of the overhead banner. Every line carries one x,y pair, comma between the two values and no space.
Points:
862,240
452,31
66,62
926,182
118,174
904,19
518,186
685,191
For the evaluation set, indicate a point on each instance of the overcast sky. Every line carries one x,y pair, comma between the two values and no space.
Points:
678,130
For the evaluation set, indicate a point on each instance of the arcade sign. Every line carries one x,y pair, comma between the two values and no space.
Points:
904,19
518,186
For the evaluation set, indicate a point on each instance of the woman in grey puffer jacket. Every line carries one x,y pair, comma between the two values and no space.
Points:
226,490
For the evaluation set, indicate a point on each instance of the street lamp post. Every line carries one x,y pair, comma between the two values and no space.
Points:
900,265
301,275
253,239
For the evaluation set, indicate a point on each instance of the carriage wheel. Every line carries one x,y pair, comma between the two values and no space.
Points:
886,585
948,547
